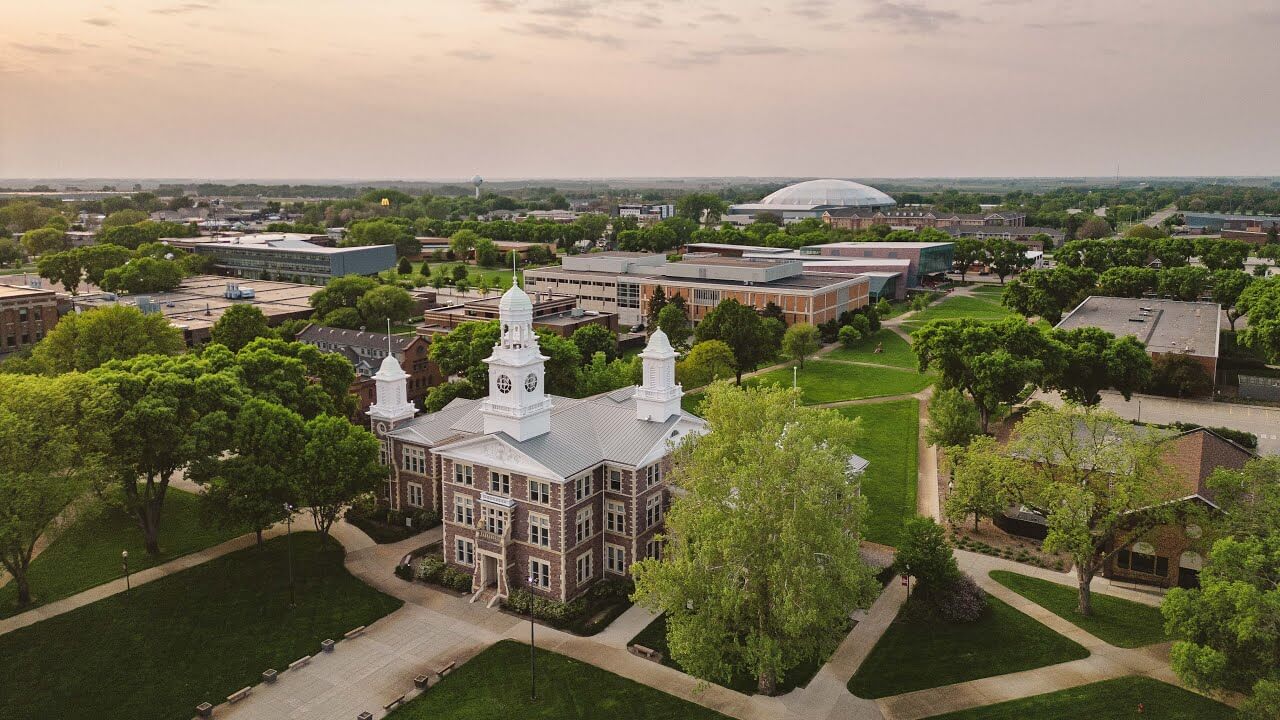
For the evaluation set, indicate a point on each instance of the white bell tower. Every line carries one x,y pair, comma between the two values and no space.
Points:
517,403
392,388
658,398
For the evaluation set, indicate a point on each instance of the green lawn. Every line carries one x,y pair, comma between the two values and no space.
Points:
496,277
985,306
654,637
823,381
199,635
691,401
1118,698
1120,622
918,654
495,684
890,432
895,350
87,553
988,290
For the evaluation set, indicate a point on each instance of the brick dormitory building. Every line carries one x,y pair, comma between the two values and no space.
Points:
535,490
26,316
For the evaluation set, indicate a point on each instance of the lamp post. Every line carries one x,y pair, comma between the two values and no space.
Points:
288,534
533,668
124,563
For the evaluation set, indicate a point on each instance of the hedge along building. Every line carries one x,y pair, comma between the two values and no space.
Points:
537,490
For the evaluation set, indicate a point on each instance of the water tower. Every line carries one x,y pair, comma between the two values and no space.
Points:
477,181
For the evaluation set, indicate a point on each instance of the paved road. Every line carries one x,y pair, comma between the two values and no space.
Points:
1260,420
1159,216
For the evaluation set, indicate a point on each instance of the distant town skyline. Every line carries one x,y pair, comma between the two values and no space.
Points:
638,88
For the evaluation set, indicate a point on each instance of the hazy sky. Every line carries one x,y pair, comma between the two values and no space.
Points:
578,88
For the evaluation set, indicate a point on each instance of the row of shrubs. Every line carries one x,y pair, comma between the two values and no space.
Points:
573,614
385,525
1020,555
432,569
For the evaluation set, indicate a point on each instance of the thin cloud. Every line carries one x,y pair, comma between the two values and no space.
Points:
721,17
100,21
182,8
40,49
568,9
704,57
473,55
558,32
499,6
909,16
811,9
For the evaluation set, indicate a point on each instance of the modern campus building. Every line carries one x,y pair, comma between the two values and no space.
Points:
923,258
559,314
624,283
537,491
26,315
288,256
887,277
1165,327
812,199
366,351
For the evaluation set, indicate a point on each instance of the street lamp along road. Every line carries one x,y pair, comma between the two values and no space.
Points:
288,532
533,669
124,563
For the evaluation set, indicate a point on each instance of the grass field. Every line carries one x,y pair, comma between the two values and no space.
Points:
87,553
890,433
918,654
985,306
654,637
1118,698
156,652
895,350
1117,621
823,381
496,277
495,684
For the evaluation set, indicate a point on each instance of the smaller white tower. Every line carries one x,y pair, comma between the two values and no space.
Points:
658,398
392,404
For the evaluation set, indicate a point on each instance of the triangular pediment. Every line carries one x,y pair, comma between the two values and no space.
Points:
496,452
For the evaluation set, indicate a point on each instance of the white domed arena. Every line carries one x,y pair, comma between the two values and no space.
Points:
811,198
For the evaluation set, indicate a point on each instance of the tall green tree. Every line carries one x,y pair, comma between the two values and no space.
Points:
1260,303
982,478
925,554
593,338
701,207
251,482
1228,286
1049,293
45,240
63,268
993,362
52,442
674,321
739,327
340,292
761,563
383,303
341,463
966,252
171,413
1184,283
1084,361
12,254
706,362
83,341
143,275
1006,258
657,301
1228,630
1128,281
1249,497
1099,483
800,341
953,419
240,325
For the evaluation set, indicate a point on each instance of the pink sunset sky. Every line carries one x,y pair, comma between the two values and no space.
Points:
572,88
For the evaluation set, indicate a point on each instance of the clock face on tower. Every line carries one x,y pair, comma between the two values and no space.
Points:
531,382
504,384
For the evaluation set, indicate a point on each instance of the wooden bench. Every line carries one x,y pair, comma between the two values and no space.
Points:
445,670
353,632
239,695
299,662
393,703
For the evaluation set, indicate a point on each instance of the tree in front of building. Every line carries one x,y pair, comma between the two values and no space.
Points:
1006,257
967,251
674,321
1260,303
1249,497
250,483
800,341
1179,376
1228,630
657,301
404,267
591,339
383,303
982,478
63,268
240,325
1098,481
1049,293
761,568
340,462
52,442
706,362
992,362
1094,228
44,240
12,254
1128,281
743,330
84,341
1185,283
1227,287
701,207
953,419
143,275
1082,362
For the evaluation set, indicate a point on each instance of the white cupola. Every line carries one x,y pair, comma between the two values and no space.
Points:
517,403
658,397
392,388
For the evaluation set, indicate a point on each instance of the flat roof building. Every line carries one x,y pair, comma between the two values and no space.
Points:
288,256
1165,327
925,258
26,316
558,313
